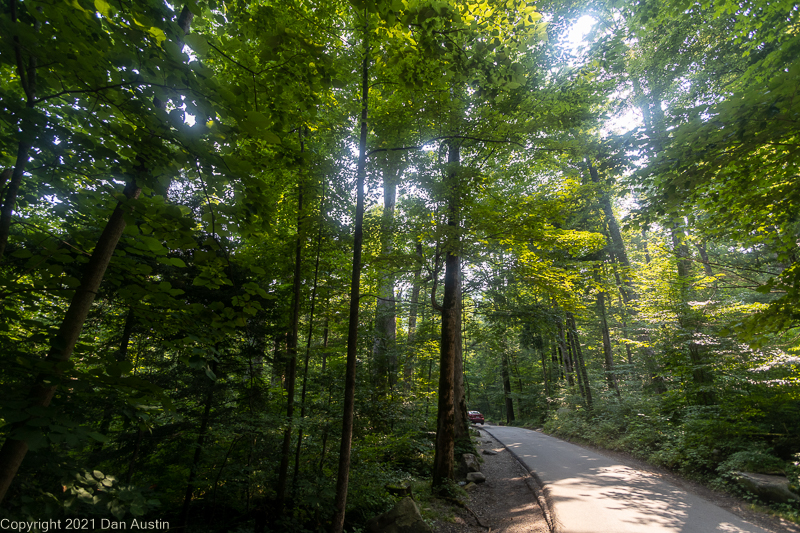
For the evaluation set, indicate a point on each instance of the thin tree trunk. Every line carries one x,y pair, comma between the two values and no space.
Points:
121,355
646,249
580,362
545,370
198,450
573,355
291,367
701,247
564,355
308,354
343,474
509,403
408,367
607,350
27,76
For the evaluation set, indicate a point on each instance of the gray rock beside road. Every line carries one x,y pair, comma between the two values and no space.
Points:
767,487
471,462
476,477
403,518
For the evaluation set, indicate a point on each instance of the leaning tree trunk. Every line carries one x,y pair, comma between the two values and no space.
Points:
343,474
63,344
451,330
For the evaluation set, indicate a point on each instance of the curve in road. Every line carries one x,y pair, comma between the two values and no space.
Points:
590,493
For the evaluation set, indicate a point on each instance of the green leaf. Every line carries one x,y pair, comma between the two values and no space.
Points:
197,42
103,7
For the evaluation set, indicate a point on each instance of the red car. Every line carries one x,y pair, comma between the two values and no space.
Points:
475,417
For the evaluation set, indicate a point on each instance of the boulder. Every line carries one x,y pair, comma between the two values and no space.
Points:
476,477
489,452
403,518
470,487
766,487
471,462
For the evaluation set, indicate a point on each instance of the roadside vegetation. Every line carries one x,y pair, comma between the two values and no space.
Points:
258,259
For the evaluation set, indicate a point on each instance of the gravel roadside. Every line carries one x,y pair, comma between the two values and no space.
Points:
504,503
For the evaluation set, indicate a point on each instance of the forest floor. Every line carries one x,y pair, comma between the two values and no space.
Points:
504,503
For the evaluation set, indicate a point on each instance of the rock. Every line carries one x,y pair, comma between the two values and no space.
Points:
403,518
470,487
476,477
772,488
403,489
489,452
471,462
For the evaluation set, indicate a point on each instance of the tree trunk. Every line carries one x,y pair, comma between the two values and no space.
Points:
451,329
408,367
564,355
343,474
509,402
14,450
135,456
198,450
545,373
461,420
291,366
383,349
607,350
121,355
27,76
305,366
579,360
701,247
574,358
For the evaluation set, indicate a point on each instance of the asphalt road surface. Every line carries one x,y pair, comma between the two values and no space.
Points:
591,493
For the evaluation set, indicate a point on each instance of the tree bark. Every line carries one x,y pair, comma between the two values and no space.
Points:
461,420
343,474
121,355
291,366
198,450
27,75
63,344
451,329
608,354
701,247
563,353
308,354
509,403
579,360
383,350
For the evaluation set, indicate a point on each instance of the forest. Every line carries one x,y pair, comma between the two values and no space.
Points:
259,258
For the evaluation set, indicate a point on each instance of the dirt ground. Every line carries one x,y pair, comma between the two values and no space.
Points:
505,503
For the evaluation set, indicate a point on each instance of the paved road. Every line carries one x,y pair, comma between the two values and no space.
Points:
591,493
